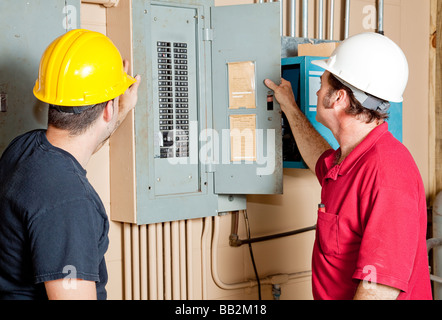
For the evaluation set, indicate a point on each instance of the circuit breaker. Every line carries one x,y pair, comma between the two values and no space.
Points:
24,38
305,80
202,135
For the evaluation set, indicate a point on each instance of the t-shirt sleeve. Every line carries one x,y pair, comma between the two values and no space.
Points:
390,238
64,242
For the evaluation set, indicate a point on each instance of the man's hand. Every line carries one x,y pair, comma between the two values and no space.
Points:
128,100
283,94
310,143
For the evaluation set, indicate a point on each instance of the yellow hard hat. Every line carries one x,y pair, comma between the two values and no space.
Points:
81,68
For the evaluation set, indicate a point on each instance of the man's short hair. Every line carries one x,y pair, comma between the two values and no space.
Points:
75,122
356,107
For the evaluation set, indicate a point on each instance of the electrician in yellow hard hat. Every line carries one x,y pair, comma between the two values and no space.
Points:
371,226
54,229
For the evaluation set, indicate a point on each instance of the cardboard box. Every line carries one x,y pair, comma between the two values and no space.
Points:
324,49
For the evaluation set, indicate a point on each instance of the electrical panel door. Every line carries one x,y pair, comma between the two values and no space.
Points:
164,157
25,34
246,51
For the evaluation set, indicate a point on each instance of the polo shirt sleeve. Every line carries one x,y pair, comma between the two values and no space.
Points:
64,242
321,166
390,237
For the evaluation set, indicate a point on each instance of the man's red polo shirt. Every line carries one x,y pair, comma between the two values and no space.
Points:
375,221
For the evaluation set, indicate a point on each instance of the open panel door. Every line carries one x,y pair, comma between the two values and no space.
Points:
246,50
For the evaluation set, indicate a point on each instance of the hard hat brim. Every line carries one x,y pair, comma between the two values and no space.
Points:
320,63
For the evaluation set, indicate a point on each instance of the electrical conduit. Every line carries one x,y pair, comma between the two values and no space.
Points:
269,280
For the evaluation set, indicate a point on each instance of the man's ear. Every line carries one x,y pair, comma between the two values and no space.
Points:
108,111
340,98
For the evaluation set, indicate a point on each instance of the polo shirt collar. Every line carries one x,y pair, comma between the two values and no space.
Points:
353,158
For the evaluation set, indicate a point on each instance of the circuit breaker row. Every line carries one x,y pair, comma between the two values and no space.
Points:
173,90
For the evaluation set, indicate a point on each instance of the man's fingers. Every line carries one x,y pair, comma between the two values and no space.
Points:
285,82
136,84
273,86
270,84
125,65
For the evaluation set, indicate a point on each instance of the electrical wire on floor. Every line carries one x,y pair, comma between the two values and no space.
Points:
246,218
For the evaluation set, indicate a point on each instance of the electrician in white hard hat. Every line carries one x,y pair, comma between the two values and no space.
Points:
371,229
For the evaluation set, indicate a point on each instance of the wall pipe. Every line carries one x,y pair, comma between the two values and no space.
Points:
436,245
144,282
269,280
189,249
235,223
281,14
207,225
347,19
152,253
381,16
167,262
292,18
135,263
431,244
321,20
214,267
182,257
332,20
175,260
159,260
127,262
234,240
304,18
239,242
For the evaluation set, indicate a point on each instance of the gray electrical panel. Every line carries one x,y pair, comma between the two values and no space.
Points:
27,28
203,132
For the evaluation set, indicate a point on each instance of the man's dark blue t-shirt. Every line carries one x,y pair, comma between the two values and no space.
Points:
53,224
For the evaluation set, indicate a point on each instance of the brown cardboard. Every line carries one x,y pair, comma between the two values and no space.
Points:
317,50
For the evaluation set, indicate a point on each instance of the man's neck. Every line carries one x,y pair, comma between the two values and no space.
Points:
81,147
351,134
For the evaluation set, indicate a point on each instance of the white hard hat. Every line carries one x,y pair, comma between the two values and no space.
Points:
371,63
